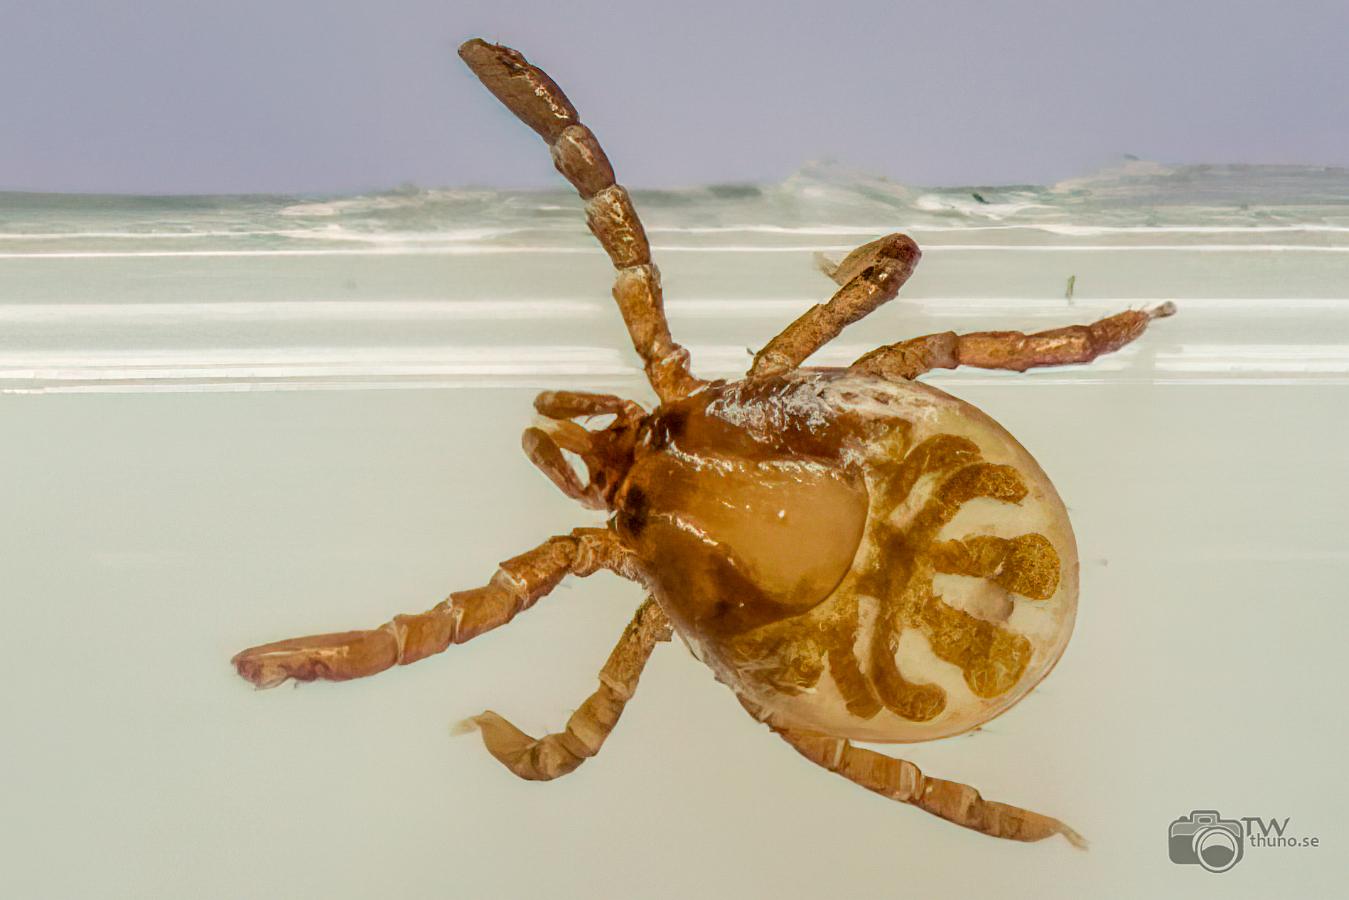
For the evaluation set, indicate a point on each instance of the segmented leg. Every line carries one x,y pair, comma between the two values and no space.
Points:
901,780
528,92
871,275
1010,349
546,758
516,586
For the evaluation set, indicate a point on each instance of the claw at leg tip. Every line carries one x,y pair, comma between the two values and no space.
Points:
1073,837
471,44
467,726
255,674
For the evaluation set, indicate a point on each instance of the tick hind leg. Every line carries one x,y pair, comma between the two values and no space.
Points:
536,99
518,584
553,755
870,276
901,780
1010,349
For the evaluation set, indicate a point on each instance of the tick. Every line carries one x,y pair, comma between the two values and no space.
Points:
856,555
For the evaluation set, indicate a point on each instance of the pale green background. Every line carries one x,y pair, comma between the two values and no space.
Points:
148,536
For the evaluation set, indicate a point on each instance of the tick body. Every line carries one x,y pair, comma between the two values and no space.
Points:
871,559
855,554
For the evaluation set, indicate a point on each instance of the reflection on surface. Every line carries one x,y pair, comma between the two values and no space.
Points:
478,288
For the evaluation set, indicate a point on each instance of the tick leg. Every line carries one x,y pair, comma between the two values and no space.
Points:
901,780
516,586
528,92
1010,349
870,275
546,758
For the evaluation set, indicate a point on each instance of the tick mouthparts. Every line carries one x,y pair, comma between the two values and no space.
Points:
1162,310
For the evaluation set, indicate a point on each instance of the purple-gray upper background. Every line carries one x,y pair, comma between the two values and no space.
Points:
174,96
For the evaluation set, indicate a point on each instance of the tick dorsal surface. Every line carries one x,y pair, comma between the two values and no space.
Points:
740,542
859,557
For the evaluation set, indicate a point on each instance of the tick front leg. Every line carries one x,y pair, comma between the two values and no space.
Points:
517,585
546,758
901,780
527,91
870,276
1010,349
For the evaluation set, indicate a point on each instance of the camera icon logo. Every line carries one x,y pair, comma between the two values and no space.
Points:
1205,838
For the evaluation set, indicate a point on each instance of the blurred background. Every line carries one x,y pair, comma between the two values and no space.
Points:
183,96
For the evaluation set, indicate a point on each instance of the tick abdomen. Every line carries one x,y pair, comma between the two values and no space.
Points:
922,576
